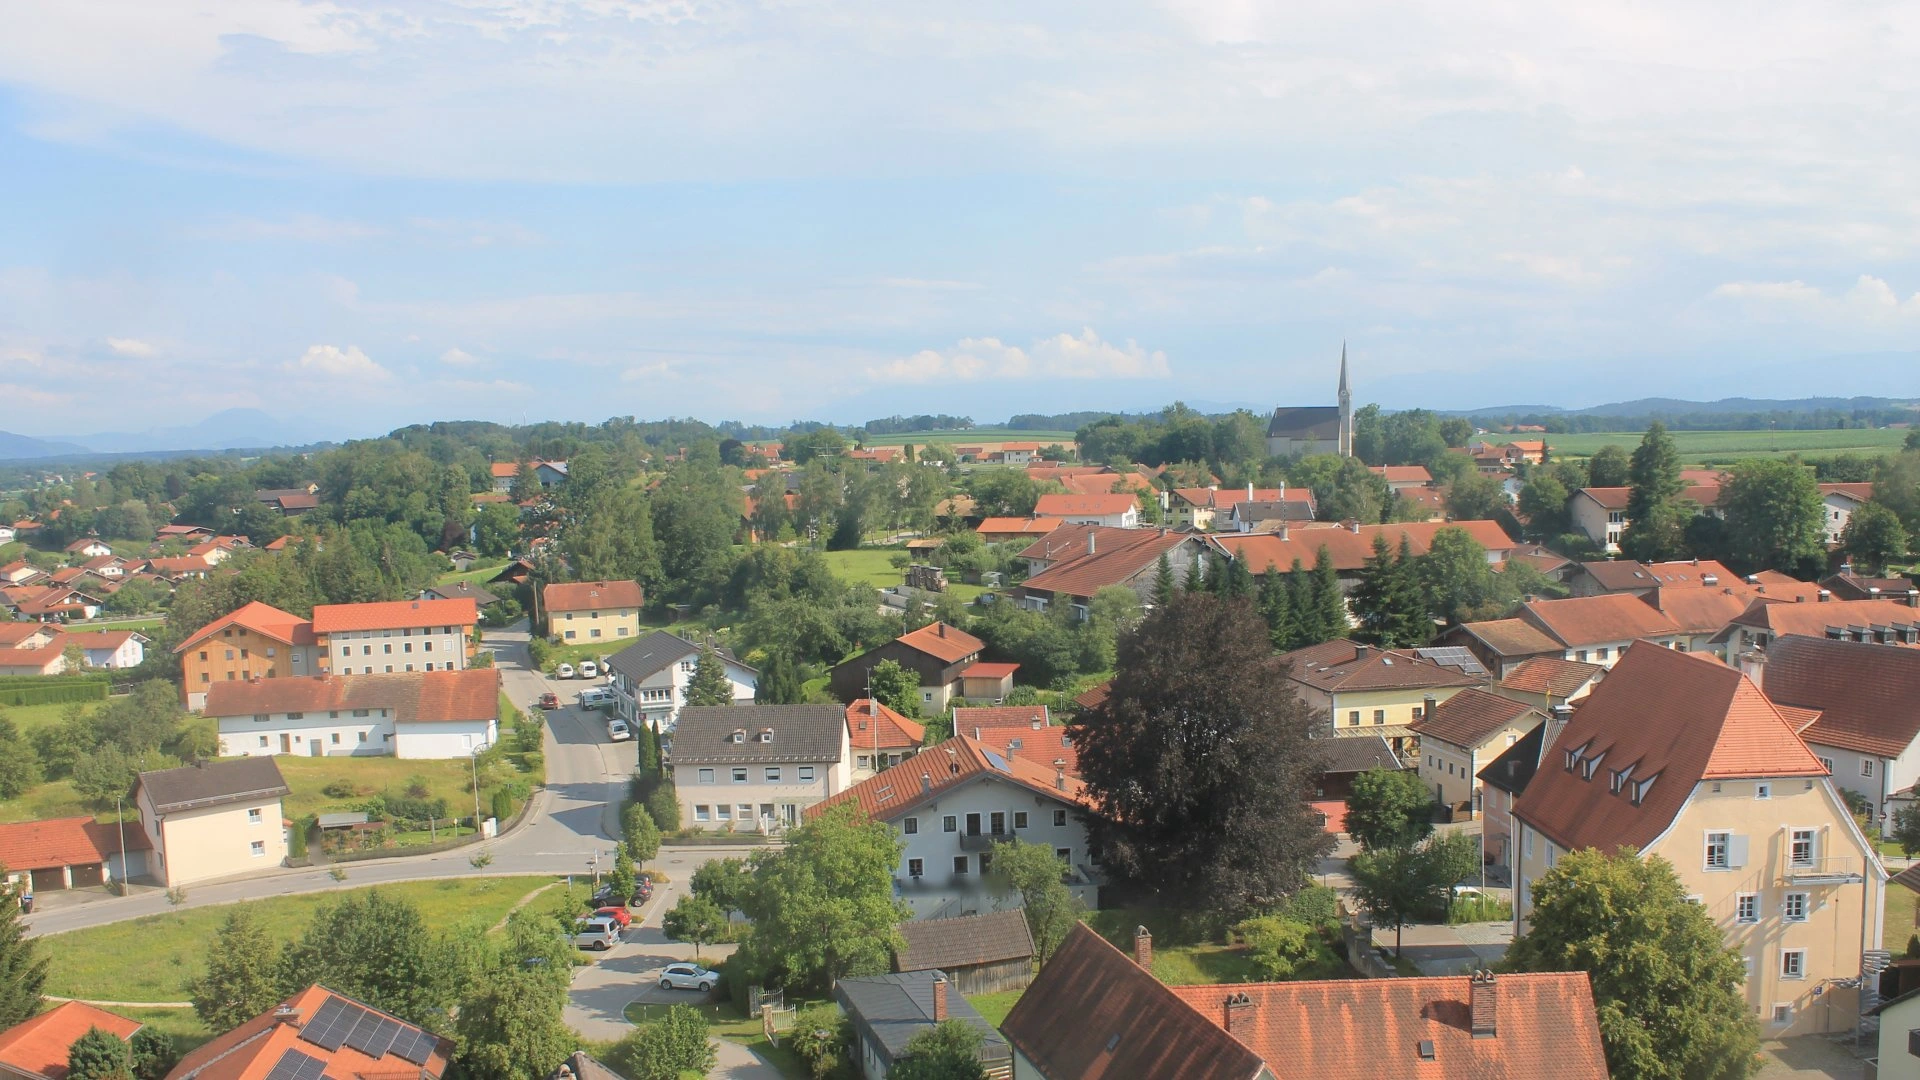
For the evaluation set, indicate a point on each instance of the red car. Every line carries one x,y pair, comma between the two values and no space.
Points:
549,701
617,914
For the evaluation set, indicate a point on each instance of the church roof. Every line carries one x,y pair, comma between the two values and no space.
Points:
1305,422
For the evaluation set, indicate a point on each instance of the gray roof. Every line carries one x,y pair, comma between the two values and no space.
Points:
891,1009
704,734
1357,753
343,819
459,590
583,1066
968,941
1305,422
651,654
212,783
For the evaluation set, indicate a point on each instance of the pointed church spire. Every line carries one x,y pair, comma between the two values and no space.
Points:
1346,407
1344,392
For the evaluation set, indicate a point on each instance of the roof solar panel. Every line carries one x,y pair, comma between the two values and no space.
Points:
414,1045
294,1065
373,1034
331,1023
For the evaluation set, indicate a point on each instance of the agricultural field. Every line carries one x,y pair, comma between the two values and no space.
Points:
971,437
478,575
1724,447
874,566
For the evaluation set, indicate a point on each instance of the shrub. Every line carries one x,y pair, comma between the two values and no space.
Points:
340,789
534,762
417,787
502,804
664,805
820,1038
665,1049
1315,905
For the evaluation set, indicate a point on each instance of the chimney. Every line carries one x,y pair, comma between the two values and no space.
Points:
1143,947
1753,664
1428,705
1825,595
940,629
1249,491
1283,533
1484,1005
1090,544
288,1015
1283,491
1354,527
1913,597
1060,774
1846,569
940,999
1239,1011
1361,652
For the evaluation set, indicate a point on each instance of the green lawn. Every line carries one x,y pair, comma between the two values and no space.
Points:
49,800
446,779
183,1026
1898,924
995,1007
867,566
972,437
1730,446
31,717
147,626
94,963
477,576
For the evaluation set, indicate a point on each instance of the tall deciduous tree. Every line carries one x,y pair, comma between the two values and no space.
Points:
1609,467
710,685
1654,522
1199,763
19,765
666,1049
511,1022
895,687
23,971
1031,872
1775,517
1873,537
1460,583
1403,884
375,948
240,981
823,907
1388,808
694,919
1668,989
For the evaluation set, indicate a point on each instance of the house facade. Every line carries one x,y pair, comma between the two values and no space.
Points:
1363,690
880,737
650,678
395,636
756,768
583,611
1864,704
1115,510
212,819
440,714
111,649
1461,735
938,653
256,641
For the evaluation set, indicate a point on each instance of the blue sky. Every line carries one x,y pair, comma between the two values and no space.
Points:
359,213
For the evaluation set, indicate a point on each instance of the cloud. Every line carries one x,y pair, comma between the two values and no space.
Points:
1870,299
331,361
458,357
301,228
1062,356
131,347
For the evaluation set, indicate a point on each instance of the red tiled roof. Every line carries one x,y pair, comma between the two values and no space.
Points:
1350,547
1094,696
1065,505
39,1045
593,596
956,761
1021,732
1596,620
395,614
966,718
1782,618
98,639
1857,492
872,725
415,696
987,670
947,644
1472,716
57,842
1094,1014
1343,666
252,1050
263,619
504,470
1677,719
1692,572
1615,498
1219,498
1119,555
1864,693
1701,611
1014,526
1402,474
1550,675
1360,1029
1099,483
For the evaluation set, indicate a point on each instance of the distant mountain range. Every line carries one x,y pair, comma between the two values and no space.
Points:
229,429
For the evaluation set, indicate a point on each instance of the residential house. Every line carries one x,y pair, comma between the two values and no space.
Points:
1403,477
1115,510
395,635
1861,701
1350,545
756,768
178,568
1683,757
1367,691
1846,585
255,641
650,678
1093,1013
1502,781
7,533
1461,734
1766,620
1545,682
1600,513
37,1048
460,590
980,954
1343,761
71,853
1025,731
879,737
1018,453
502,474
1092,480
1268,515
987,680
289,502
1596,578
1838,502
116,649
581,611
110,567
212,819
1899,1038
188,533
938,653
218,549
1208,507
51,603
32,648
20,572
1701,614
996,530
1550,564
88,547
419,714
1584,628
319,1032
581,1065
887,1011
952,802
1083,560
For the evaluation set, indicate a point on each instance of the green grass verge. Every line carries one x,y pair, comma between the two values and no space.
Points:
183,1026
1729,446
93,963
1899,922
306,776
995,1007
867,566
146,626
49,800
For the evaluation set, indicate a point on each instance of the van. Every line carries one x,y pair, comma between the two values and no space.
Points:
589,670
598,932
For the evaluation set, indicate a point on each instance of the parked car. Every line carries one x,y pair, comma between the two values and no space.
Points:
617,731
596,932
642,892
588,669
549,701
598,697
617,914
564,671
687,977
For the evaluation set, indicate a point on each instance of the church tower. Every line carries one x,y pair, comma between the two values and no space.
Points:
1346,407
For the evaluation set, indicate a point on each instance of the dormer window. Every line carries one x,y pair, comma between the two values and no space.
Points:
766,735
1574,755
1641,787
739,735
1589,766
1621,777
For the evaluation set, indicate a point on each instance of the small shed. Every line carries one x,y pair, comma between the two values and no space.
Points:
887,1011
981,954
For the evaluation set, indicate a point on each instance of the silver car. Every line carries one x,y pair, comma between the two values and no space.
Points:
687,977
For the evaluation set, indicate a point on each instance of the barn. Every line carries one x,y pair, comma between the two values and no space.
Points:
982,954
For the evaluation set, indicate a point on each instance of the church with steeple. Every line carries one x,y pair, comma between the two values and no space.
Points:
1314,429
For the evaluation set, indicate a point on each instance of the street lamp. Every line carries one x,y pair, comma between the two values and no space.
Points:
473,759
119,819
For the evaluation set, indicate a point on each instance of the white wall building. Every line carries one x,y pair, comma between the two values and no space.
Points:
441,714
650,677
756,768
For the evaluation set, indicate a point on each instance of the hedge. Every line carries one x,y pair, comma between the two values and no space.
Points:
43,690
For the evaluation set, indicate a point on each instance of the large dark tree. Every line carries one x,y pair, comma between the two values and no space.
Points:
23,971
1199,762
1655,523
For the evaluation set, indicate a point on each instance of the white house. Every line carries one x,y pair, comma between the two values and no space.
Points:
89,548
438,714
650,677
952,802
212,819
394,636
1115,510
1839,501
756,768
1861,696
109,648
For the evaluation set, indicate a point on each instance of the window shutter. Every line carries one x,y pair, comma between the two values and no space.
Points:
1737,851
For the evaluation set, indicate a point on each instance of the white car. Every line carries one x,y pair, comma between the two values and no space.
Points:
598,932
617,730
588,669
687,977
564,671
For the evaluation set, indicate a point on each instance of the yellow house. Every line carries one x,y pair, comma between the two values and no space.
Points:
212,819
1682,757
1463,734
582,611
1364,690
255,641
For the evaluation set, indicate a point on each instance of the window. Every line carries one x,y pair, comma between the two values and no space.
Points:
1763,791
1064,854
259,849
1800,850
387,649
1600,653
408,647
1059,819
569,633
1783,1014
1827,764
740,774
204,677
1353,718
1866,766
253,816
706,776
263,740
1719,851
1379,717
862,761
1793,963
203,654
363,736
745,812
1526,834
1019,819
361,712
959,864
229,654
911,826
426,646
336,739
243,654
986,863
1795,908
806,774
1746,908
702,812
773,774
723,811
1581,656
916,867
595,632
949,824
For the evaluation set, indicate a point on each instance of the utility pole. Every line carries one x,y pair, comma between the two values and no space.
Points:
473,759
121,821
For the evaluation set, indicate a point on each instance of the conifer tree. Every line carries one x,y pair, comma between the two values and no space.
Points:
1301,628
1330,604
23,971
1276,607
1234,579
779,682
1163,584
710,685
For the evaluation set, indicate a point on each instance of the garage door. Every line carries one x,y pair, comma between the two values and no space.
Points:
48,880
90,874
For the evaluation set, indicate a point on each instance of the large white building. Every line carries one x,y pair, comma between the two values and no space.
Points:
394,636
650,678
438,714
756,768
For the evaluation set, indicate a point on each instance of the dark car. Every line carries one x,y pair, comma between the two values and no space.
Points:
549,701
642,892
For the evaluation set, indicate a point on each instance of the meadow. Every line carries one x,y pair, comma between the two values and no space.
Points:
1718,447
971,437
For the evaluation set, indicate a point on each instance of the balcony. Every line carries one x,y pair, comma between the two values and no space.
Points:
982,841
1839,870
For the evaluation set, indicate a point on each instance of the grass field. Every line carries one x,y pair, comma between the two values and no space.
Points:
31,717
146,626
1729,446
445,779
972,437
93,963
49,800
476,576
874,566
995,1007
1899,924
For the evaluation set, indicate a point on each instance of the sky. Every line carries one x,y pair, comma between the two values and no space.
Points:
360,213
